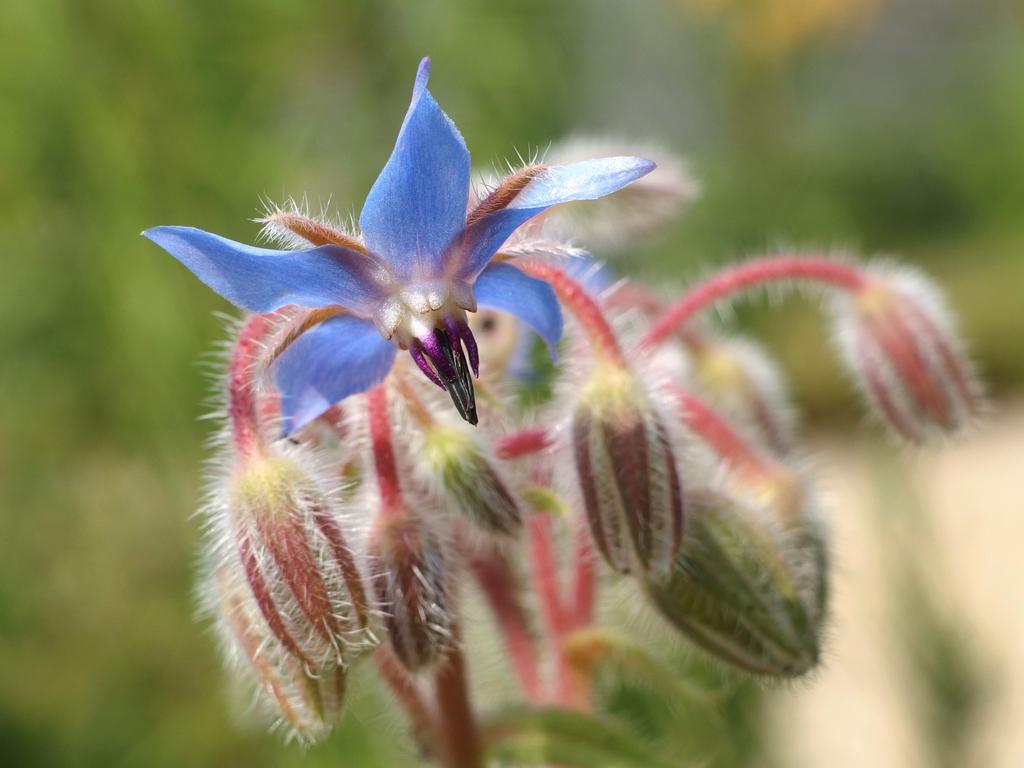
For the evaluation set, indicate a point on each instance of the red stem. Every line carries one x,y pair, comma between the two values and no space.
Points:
243,408
525,442
584,577
560,620
584,308
743,276
545,573
383,453
458,736
407,692
714,430
498,583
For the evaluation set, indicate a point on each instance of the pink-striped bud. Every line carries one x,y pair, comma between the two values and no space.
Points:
626,468
409,578
283,533
738,378
307,699
897,338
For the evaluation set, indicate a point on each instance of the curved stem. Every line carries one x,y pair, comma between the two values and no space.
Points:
585,309
243,410
714,430
743,276
383,453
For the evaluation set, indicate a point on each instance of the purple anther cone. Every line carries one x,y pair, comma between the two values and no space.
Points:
440,356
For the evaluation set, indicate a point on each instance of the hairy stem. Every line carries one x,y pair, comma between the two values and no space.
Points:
383,453
457,732
497,581
584,586
545,573
744,276
408,695
584,308
561,616
711,427
243,408
568,689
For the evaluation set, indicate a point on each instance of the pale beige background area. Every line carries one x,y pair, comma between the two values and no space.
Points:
967,536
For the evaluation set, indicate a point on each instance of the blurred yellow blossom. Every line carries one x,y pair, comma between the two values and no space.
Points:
773,30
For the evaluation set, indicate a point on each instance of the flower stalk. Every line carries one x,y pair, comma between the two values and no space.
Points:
457,730
498,582
588,313
743,277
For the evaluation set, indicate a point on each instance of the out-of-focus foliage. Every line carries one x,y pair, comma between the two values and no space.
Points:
904,132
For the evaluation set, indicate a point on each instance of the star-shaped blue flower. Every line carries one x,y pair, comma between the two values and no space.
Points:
426,262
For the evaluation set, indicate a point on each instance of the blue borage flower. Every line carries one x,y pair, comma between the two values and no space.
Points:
426,262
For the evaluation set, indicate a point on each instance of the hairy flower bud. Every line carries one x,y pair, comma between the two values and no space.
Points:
737,377
470,479
748,586
897,338
283,533
308,699
408,575
627,473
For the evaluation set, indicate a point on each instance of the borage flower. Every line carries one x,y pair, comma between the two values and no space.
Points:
423,263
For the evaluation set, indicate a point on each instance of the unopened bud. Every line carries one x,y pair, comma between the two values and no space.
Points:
307,698
470,479
897,338
748,586
408,575
294,556
739,379
627,473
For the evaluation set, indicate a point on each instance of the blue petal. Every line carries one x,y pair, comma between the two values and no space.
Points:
263,280
587,180
418,203
340,357
506,288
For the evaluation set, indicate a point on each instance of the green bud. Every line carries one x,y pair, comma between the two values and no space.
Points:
470,479
747,586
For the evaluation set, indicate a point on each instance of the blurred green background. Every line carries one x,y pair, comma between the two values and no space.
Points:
882,125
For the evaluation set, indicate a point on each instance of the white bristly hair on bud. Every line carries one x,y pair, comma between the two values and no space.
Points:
900,344
303,702
297,482
750,584
274,219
